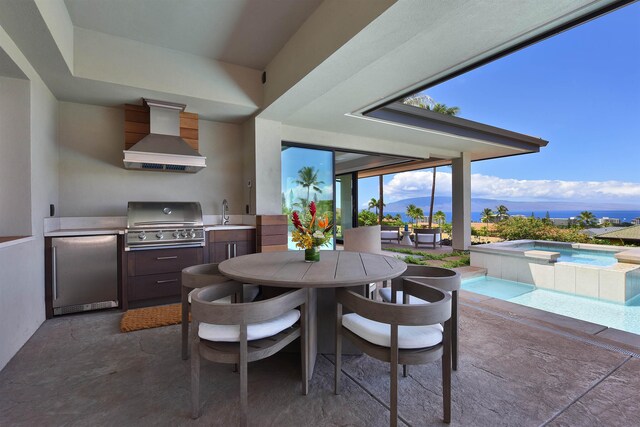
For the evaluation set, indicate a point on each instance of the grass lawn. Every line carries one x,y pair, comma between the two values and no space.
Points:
446,260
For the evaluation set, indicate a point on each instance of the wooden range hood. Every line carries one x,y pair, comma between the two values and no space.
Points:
160,136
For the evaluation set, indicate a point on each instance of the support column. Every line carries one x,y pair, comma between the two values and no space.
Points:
461,203
263,140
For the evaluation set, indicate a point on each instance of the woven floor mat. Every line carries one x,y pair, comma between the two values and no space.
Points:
150,317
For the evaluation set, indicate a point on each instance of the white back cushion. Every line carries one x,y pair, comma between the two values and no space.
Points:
387,234
380,333
385,294
255,331
428,238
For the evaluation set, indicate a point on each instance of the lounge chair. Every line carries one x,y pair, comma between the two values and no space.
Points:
390,233
427,236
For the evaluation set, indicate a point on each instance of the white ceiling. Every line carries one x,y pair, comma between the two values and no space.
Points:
326,61
8,68
241,32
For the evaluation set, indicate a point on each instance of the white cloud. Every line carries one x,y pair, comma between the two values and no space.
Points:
418,184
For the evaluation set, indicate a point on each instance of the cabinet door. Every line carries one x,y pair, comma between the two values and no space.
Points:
164,260
154,286
243,248
219,251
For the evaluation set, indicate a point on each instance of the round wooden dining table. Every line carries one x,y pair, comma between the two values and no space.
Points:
336,269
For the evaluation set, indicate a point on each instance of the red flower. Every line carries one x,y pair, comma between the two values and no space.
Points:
312,208
296,220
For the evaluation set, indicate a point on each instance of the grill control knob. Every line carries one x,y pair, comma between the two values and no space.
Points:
183,234
176,234
142,235
192,234
159,235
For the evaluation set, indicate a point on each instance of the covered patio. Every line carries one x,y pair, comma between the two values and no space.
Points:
537,369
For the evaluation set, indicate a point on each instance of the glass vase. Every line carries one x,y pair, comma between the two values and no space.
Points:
312,255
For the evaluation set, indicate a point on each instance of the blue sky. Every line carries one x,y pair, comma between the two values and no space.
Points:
580,90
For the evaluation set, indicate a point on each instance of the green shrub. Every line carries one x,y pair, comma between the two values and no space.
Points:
516,228
367,218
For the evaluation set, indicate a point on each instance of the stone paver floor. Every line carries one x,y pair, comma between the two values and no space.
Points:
80,370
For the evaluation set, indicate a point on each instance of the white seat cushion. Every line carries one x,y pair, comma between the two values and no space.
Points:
389,234
385,293
380,333
255,331
427,238
249,293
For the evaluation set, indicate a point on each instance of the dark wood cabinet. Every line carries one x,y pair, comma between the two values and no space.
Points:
154,276
225,244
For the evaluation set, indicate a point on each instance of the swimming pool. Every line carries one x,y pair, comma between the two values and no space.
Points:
625,317
595,271
595,257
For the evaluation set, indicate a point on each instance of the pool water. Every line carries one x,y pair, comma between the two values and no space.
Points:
625,317
601,259
580,256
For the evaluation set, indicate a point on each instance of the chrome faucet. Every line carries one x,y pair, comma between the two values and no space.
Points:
225,212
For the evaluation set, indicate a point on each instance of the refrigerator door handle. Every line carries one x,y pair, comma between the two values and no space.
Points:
54,272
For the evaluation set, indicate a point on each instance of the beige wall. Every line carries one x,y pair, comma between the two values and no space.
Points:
93,181
15,180
22,264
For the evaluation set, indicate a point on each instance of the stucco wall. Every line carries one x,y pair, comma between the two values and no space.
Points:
15,187
93,181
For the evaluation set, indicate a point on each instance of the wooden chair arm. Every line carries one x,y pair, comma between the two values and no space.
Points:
438,311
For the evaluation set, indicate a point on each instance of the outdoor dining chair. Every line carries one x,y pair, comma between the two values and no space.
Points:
240,333
441,278
198,276
364,239
407,334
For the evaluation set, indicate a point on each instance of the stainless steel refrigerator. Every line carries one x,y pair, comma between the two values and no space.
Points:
84,273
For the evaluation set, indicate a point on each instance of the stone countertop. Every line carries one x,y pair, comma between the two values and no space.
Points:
83,232
219,227
94,231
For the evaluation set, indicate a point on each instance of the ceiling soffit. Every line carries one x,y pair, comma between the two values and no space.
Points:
248,33
8,68
404,47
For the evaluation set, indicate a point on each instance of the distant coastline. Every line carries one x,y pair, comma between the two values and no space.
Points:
623,215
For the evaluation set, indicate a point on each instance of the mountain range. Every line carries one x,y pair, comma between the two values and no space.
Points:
443,203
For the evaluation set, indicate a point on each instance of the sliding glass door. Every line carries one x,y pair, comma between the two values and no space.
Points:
307,176
346,194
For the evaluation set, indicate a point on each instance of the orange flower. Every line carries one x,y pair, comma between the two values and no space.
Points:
322,223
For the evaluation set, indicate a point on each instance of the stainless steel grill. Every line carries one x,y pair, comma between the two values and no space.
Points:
154,225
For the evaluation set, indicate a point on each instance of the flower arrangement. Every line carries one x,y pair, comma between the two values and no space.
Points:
311,232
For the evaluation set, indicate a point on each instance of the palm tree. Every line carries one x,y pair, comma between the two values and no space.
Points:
487,214
502,212
443,109
420,101
414,212
440,218
308,178
586,219
375,204
426,102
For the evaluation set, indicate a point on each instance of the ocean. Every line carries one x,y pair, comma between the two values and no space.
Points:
623,216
